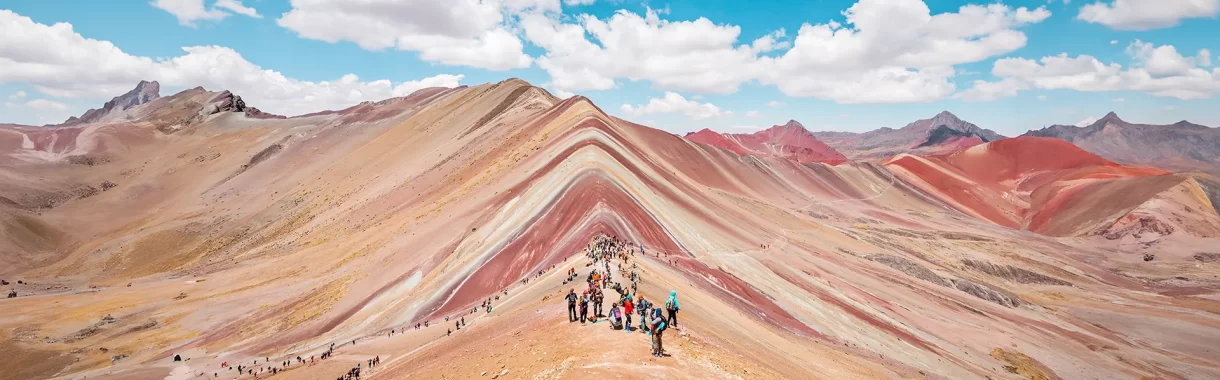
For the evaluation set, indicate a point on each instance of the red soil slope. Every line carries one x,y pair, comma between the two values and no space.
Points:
1027,182
791,141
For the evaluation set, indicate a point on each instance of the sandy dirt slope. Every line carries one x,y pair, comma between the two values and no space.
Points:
231,237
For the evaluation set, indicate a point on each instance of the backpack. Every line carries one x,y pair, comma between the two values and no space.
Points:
669,305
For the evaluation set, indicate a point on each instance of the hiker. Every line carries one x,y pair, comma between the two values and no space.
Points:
671,306
584,306
616,317
457,325
644,307
571,305
657,327
598,299
628,307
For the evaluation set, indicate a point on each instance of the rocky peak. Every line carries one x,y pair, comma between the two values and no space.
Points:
144,92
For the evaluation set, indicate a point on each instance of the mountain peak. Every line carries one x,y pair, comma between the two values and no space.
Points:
144,92
946,114
1110,118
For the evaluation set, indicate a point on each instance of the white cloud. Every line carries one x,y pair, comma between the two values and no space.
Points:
885,51
17,95
775,104
896,50
1147,14
1156,70
674,103
752,113
987,91
572,3
57,61
189,11
1087,121
1113,42
44,104
1041,97
696,56
1119,100
471,33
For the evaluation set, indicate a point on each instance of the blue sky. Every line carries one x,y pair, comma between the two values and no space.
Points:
676,65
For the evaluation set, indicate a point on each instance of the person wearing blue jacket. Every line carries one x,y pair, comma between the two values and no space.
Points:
671,306
656,327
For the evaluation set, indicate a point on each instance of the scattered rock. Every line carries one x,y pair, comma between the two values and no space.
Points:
909,267
1149,257
1207,257
107,185
1009,272
87,160
180,296
484,373
85,192
1137,226
987,293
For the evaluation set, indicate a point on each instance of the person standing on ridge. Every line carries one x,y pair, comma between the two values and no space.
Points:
628,307
571,305
657,327
671,306
584,306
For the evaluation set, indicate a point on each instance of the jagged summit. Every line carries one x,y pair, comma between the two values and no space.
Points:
144,92
941,134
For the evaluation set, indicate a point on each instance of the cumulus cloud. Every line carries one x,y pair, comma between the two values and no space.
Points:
674,103
44,104
1156,70
697,56
189,11
471,33
752,113
17,95
885,51
57,61
987,91
578,2
775,104
1146,14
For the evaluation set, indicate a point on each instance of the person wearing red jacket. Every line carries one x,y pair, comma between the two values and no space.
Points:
628,308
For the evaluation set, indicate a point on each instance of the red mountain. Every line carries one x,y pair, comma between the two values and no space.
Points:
791,141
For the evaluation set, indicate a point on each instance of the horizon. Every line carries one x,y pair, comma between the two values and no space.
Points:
726,130
753,69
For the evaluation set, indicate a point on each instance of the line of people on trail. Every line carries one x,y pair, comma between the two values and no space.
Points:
653,321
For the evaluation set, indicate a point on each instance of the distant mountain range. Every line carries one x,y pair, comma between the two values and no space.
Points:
790,140
942,134
1181,146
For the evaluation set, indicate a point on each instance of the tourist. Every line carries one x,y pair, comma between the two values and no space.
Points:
671,306
572,298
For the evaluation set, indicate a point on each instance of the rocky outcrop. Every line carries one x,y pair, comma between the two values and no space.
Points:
1137,226
987,293
1011,273
144,92
909,267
